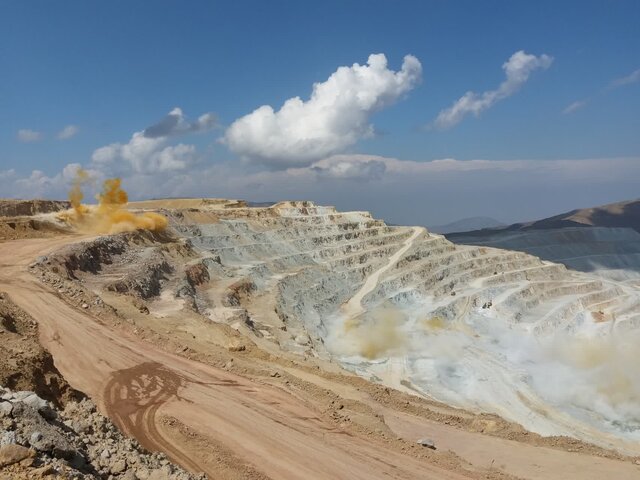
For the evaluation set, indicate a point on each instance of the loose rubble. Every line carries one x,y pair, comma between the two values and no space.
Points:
37,440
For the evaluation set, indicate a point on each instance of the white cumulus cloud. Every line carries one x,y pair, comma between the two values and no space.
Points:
143,154
335,117
27,135
148,151
68,132
517,70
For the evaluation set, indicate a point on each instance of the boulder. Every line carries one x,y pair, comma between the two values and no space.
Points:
8,438
118,467
10,454
428,443
5,409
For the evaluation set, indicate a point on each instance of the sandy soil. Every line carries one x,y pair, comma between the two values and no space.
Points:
232,423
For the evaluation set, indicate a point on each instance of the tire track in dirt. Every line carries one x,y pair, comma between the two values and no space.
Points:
353,307
132,398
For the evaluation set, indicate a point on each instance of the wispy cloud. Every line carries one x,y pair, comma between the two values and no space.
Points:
577,105
68,132
26,135
633,77
517,70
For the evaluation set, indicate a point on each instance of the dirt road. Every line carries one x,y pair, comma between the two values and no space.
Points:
139,385
354,307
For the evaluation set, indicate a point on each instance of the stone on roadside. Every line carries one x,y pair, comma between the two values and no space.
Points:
5,409
428,443
10,454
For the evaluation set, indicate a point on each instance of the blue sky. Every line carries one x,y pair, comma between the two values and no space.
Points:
110,69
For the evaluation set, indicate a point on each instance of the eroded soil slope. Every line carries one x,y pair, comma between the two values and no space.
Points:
24,363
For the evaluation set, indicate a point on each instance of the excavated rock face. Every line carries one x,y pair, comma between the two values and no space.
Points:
197,274
27,208
478,327
146,281
13,228
29,218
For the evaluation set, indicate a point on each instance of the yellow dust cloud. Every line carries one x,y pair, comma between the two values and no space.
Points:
110,215
379,335
434,323
75,194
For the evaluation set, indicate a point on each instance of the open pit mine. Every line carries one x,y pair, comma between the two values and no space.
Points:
295,341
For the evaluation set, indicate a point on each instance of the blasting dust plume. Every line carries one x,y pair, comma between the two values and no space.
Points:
76,195
110,215
377,335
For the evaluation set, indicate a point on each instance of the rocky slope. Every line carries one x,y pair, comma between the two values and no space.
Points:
39,441
481,328
30,219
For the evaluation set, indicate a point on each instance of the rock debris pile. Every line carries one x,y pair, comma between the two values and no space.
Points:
37,440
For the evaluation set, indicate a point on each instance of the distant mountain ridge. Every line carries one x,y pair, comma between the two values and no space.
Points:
613,215
604,239
466,224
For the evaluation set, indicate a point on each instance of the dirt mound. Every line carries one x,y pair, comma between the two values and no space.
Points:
24,364
28,208
15,228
